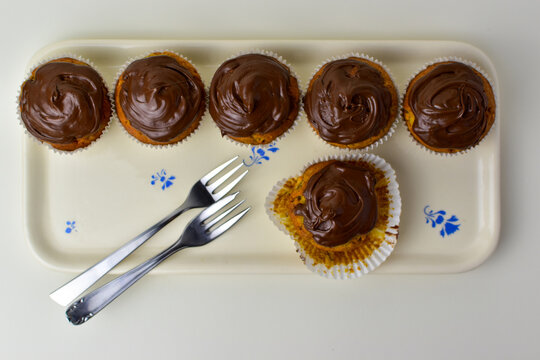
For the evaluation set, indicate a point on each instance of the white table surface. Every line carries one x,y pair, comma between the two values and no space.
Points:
490,312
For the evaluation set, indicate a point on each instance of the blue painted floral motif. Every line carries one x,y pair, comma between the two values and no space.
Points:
448,225
260,154
70,227
162,177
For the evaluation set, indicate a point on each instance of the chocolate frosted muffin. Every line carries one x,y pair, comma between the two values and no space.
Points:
254,98
342,213
340,203
351,103
160,99
449,107
65,103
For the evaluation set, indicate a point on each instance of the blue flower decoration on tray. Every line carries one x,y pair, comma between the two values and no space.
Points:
260,154
70,227
449,225
161,177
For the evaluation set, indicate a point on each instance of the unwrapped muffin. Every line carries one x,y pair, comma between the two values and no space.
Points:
343,214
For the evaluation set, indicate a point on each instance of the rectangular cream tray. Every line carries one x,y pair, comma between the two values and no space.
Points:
107,192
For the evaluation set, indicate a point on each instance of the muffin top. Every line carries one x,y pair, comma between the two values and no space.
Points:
64,100
160,97
340,203
251,94
450,105
348,102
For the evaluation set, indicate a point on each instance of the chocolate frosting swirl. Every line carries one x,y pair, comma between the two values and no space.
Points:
63,102
160,97
251,94
449,105
340,203
348,103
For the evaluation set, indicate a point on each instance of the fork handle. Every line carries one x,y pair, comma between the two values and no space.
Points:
65,294
86,307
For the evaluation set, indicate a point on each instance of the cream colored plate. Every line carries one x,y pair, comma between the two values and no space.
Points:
107,189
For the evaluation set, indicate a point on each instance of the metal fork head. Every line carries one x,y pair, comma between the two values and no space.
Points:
212,175
203,229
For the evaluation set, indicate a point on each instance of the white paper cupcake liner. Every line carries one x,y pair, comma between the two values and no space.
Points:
359,267
300,104
396,121
109,95
475,67
145,55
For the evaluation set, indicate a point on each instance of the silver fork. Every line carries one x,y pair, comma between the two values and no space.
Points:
197,233
201,195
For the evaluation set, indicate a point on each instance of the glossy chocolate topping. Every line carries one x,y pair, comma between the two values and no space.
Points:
340,203
348,103
250,95
64,102
160,97
449,105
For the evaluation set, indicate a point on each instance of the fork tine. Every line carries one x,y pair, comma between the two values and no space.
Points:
221,216
214,172
222,179
228,188
226,226
215,207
